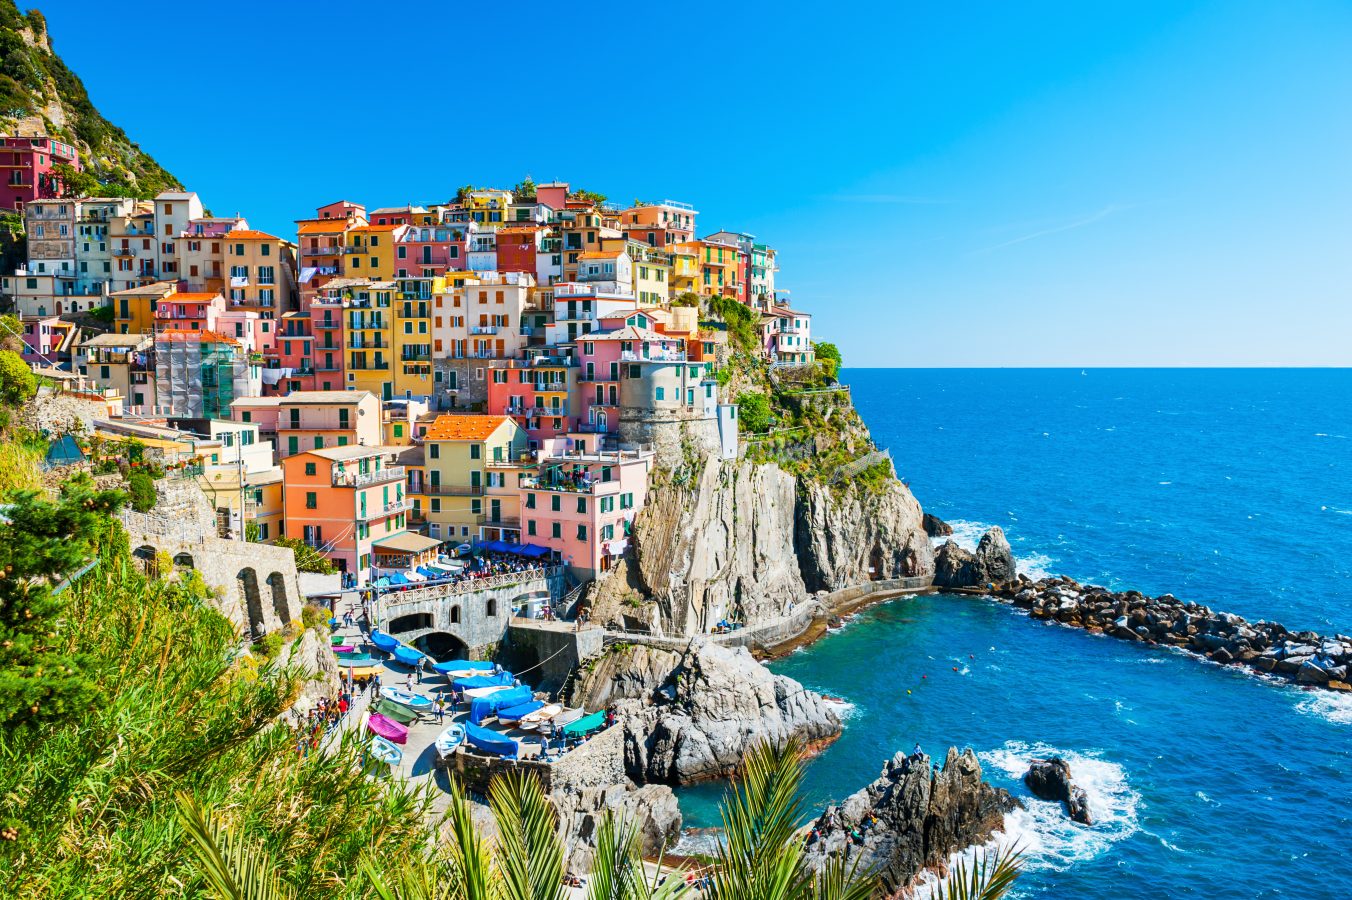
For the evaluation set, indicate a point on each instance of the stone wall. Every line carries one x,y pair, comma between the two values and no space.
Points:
551,650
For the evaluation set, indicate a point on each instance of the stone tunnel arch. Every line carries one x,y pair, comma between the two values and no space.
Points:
183,561
410,622
441,645
253,602
146,554
277,582
877,564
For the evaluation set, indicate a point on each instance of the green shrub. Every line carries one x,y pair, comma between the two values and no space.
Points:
754,411
312,615
142,489
270,645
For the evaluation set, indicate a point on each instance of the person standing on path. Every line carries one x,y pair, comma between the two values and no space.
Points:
441,710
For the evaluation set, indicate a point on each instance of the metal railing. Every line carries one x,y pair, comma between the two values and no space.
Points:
366,479
465,586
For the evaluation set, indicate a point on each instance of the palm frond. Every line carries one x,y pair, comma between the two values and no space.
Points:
761,856
529,858
233,869
841,880
471,864
411,880
988,878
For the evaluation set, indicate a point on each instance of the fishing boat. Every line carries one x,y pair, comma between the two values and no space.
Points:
360,660
408,656
458,668
386,752
534,720
389,729
365,670
512,715
343,648
449,739
469,682
490,741
415,702
383,641
401,714
586,725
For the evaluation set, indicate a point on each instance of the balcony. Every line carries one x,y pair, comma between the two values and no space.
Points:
378,366
483,329
658,356
322,250
328,368
448,490
499,521
358,343
366,479
326,323
380,510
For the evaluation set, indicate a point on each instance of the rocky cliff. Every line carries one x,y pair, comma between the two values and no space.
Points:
912,818
691,714
992,563
743,541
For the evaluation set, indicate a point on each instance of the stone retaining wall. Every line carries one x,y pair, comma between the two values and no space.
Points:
597,763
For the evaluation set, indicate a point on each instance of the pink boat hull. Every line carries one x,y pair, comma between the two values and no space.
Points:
389,729
344,648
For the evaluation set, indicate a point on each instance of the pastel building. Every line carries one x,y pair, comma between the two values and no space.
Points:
660,224
343,500
452,491
123,363
538,391
262,272
186,311
314,420
583,506
201,252
28,163
786,335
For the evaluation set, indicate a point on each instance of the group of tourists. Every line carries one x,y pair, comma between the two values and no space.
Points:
320,719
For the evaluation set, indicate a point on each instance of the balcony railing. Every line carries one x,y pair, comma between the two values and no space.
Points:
380,510
667,356
483,329
366,479
499,521
326,323
368,367
448,490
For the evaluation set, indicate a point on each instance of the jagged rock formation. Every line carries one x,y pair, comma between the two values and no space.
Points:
690,715
652,807
744,541
992,563
1049,779
39,95
1305,657
935,526
912,818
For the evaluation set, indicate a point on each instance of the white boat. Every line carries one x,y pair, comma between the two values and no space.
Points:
539,717
415,702
386,752
449,739
485,691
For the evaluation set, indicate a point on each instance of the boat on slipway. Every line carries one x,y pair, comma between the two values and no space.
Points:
406,699
448,740
389,729
386,752
408,656
383,641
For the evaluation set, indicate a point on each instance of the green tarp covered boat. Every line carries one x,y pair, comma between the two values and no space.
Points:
587,724
389,710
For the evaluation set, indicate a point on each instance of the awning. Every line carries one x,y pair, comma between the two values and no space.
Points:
534,551
408,542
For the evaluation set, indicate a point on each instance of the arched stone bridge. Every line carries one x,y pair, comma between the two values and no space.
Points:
468,615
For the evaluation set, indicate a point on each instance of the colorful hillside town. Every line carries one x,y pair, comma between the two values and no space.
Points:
401,389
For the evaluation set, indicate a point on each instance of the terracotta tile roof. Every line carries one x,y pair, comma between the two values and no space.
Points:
245,234
601,254
464,428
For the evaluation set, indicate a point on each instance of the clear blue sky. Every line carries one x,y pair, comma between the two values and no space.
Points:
1106,183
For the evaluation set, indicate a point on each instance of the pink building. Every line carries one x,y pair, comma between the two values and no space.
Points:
424,251
583,506
41,336
601,358
538,392
291,364
343,501
189,312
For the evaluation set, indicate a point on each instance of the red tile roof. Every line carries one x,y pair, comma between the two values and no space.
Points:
464,428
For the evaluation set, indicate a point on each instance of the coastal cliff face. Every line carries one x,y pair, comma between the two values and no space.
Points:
744,541
691,715
922,817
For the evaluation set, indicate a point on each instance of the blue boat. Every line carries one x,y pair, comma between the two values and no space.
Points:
491,742
449,739
408,656
463,665
481,708
384,751
480,681
383,641
360,660
514,714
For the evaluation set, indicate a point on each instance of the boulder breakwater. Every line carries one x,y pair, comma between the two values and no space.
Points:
1270,648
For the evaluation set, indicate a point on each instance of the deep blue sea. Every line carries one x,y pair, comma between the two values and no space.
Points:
1229,487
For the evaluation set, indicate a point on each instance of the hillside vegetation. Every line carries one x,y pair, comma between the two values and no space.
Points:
39,94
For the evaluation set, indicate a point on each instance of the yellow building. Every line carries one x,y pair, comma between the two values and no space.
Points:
412,335
685,269
134,308
368,332
651,270
260,272
462,492
261,495
488,208
370,251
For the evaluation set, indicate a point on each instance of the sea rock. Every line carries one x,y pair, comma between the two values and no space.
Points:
992,563
691,715
1049,779
652,807
935,526
912,818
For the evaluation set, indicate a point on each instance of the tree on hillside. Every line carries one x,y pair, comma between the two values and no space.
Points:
308,559
754,411
76,182
524,189
591,197
828,355
42,543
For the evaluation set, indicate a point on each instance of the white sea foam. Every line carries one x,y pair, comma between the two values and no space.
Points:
844,709
698,842
1334,509
1327,705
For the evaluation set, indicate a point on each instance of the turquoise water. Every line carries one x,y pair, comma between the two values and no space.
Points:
1226,487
